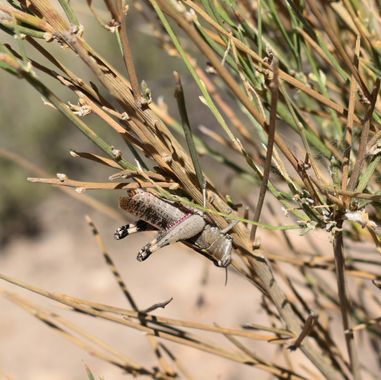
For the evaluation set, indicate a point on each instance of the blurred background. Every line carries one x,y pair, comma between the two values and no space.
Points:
45,241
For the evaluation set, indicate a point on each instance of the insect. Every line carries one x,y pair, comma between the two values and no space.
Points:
175,223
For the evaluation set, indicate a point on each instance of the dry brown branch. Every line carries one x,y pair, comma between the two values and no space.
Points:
309,324
348,130
274,87
81,186
103,350
84,198
344,301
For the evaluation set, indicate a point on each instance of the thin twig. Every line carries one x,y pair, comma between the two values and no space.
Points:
84,198
82,185
276,370
122,285
366,123
174,335
128,58
323,18
307,328
96,158
262,65
274,88
66,328
177,362
364,325
179,95
156,348
156,306
349,125
344,301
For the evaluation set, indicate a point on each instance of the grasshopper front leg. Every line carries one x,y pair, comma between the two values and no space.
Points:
187,227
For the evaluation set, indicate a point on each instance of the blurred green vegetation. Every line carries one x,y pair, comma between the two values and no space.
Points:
41,135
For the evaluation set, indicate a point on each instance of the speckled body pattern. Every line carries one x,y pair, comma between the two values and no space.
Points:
151,209
175,223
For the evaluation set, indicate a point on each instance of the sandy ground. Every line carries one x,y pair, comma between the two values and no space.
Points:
66,259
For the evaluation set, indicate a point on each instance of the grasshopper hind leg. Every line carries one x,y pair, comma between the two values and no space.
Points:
188,227
150,248
131,228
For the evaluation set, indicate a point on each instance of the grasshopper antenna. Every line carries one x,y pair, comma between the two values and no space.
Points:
226,276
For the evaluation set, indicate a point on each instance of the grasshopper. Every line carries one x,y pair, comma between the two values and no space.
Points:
175,223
